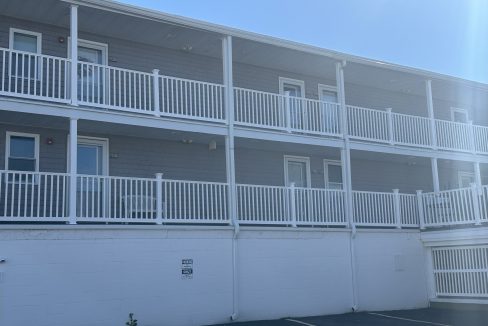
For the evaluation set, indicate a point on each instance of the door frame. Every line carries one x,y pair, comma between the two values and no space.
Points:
104,142
93,45
329,88
302,159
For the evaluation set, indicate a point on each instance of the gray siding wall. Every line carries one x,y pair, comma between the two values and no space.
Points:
144,157
122,53
143,57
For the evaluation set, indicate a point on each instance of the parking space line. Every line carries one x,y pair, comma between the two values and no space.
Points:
299,322
408,319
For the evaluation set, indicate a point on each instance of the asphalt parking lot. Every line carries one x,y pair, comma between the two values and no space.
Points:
429,316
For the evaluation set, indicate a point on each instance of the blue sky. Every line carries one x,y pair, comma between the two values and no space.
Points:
446,36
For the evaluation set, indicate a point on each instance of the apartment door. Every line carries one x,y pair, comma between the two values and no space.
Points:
297,171
330,114
92,159
91,75
296,90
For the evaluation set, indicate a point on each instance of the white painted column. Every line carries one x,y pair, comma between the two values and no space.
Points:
230,166
429,271
477,174
73,168
74,55
435,174
347,179
430,109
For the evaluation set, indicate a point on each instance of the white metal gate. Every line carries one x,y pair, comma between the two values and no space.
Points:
461,271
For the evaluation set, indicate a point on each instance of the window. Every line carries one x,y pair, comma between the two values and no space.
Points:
294,87
459,115
333,174
465,179
328,94
297,170
22,152
25,65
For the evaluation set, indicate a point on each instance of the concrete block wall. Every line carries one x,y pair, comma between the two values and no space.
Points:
96,275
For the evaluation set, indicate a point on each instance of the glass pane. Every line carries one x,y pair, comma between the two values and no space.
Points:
90,55
329,96
24,42
87,159
297,173
294,90
22,147
460,117
335,173
21,164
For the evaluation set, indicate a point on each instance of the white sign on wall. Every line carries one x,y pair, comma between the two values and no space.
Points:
187,269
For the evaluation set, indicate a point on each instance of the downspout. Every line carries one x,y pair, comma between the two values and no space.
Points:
230,167
346,169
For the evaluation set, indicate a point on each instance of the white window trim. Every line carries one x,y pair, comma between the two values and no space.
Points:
92,45
297,82
459,110
329,88
104,142
326,171
36,137
462,174
22,31
302,159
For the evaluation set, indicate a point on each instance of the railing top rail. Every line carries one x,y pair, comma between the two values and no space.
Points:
35,173
456,123
411,116
446,191
114,177
192,80
196,182
34,54
365,109
114,68
373,192
283,96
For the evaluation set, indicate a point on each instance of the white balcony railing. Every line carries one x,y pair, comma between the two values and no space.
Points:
45,197
34,76
43,77
286,113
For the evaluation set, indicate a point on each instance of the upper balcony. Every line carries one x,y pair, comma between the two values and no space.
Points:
177,73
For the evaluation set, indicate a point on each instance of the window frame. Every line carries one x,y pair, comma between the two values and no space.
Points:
296,82
8,137
455,110
326,173
329,88
91,45
38,35
462,174
302,159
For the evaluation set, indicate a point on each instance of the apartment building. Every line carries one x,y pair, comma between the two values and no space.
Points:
191,173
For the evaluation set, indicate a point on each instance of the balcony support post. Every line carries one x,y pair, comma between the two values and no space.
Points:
396,208
435,174
476,204
287,111
73,168
390,126
420,207
430,108
157,107
472,141
159,198
477,175
293,208
74,55
230,166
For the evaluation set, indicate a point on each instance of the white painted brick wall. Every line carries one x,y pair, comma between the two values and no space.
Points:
97,275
